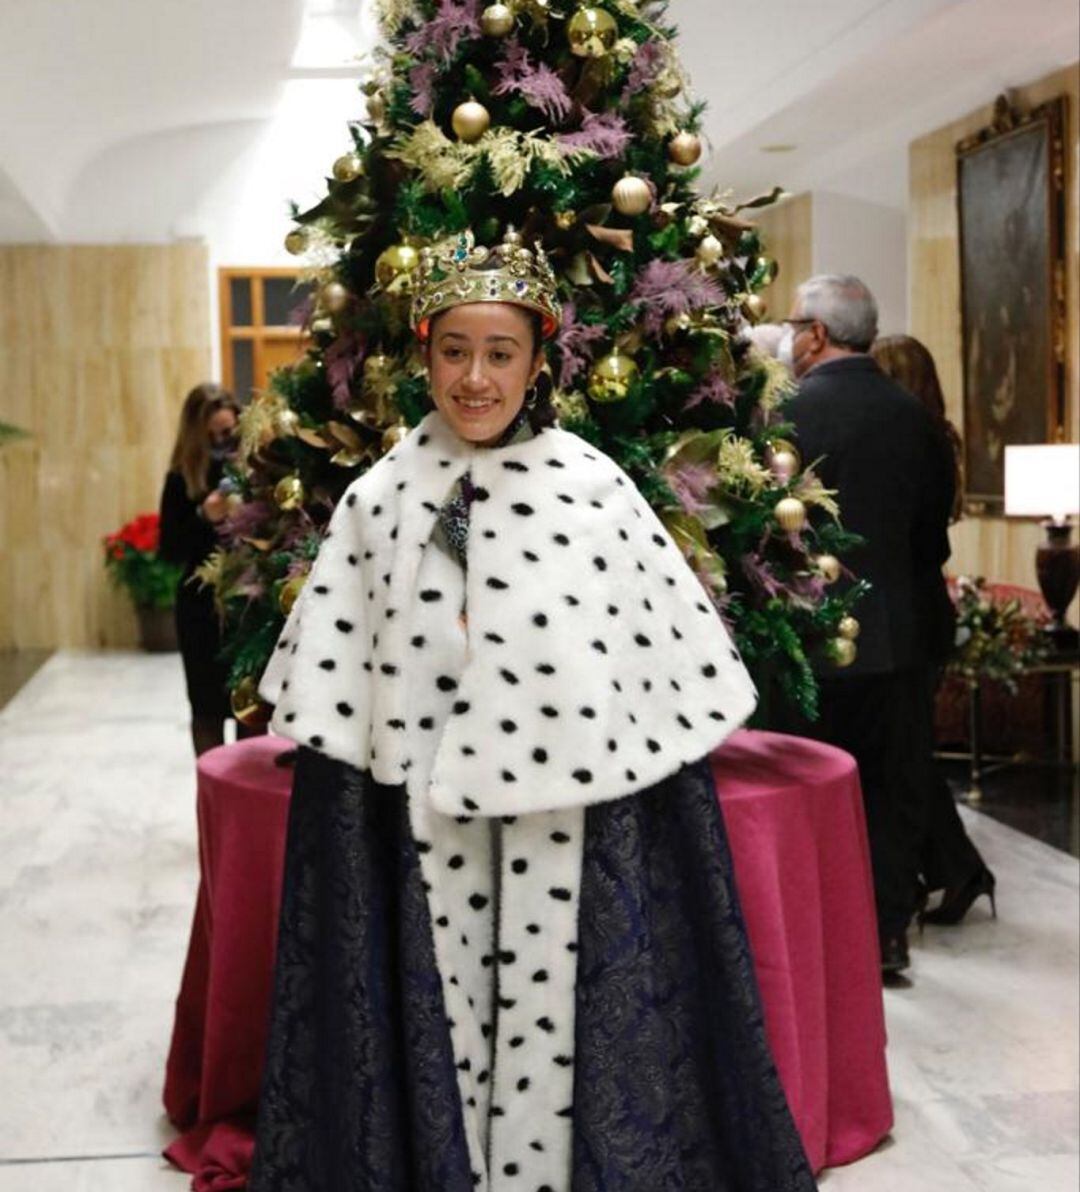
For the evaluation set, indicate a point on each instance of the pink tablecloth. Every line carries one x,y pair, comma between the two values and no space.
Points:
794,816
219,1035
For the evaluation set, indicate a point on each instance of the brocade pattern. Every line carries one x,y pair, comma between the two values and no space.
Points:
675,1087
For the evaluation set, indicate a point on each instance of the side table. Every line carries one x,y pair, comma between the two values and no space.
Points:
1062,673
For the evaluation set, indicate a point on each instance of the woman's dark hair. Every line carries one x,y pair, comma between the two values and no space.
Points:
539,406
910,364
191,451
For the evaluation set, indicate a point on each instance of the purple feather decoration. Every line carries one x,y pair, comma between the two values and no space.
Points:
809,589
300,314
441,36
574,341
667,288
342,358
539,86
648,63
802,591
245,521
422,82
691,484
602,133
760,574
713,389
249,584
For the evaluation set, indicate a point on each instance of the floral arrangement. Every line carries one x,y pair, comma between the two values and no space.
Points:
996,638
131,559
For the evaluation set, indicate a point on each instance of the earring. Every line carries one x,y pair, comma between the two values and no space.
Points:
532,396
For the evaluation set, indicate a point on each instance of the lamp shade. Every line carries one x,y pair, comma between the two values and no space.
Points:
1042,481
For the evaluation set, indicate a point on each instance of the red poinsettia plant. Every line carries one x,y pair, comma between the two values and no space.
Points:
132,562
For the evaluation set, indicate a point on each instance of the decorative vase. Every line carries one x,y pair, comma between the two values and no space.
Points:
157,630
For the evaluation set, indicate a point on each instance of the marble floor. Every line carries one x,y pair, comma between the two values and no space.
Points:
97,832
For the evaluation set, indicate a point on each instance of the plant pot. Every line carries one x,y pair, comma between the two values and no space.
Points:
157,630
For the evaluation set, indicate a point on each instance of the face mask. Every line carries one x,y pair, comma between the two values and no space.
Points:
220,452
785,351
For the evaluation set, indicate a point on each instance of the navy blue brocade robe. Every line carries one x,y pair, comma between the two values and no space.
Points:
674,1085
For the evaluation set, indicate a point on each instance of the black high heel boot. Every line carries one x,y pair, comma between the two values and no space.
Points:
958,900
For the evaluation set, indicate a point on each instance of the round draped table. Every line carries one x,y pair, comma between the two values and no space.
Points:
794,816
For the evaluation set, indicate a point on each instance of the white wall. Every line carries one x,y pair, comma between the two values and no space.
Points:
244,216
852,235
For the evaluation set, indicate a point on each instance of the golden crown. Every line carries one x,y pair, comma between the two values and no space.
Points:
458,270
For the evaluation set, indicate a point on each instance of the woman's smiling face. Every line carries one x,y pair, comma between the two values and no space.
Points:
482,358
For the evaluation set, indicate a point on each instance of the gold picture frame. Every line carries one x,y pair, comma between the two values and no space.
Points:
1011,207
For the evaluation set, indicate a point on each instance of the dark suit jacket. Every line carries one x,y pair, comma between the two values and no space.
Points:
878,447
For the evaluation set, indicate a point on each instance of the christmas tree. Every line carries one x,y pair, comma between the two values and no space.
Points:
576,129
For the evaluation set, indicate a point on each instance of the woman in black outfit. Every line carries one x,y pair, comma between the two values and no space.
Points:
949,860
191,507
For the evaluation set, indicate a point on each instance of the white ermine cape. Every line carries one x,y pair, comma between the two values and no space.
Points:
594,663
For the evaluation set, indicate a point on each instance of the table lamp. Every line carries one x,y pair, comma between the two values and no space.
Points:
1044,481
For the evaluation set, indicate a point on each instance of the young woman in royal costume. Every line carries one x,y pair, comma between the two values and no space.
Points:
511,956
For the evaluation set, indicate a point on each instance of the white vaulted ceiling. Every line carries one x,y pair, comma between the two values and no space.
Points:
875,75
79,79
131,119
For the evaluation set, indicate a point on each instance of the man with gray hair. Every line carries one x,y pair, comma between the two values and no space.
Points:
872,442
835,315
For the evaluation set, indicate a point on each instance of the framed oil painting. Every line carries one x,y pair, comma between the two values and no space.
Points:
1011,195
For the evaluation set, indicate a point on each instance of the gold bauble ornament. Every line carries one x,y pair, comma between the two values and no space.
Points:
376,107
828,567
298,241
247,706
709,251
791,514
392,436
849,628
755,308
377,367
470,121
539,12
842,651
497,20
631,195
334,297
684,148
784,465
289,493
289,591
783,459
348,167
395,264
592,32
611,378
676,324
565,220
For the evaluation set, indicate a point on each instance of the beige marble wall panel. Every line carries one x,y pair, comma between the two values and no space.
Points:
98,346
788,231
999,548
